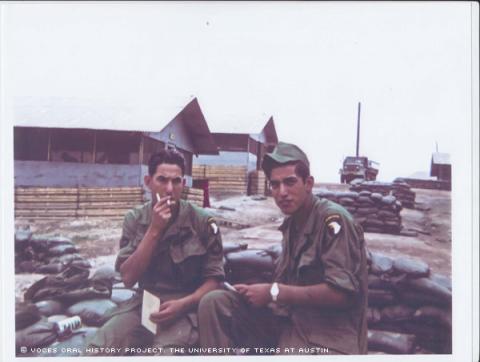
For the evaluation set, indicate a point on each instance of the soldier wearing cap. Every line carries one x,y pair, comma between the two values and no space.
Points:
319,295
171,248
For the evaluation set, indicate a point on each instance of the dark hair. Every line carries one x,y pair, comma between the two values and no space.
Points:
301,170
170,156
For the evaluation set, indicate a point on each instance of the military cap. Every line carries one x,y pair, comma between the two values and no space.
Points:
283,153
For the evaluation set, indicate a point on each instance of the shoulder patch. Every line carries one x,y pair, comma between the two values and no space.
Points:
334,224
213,225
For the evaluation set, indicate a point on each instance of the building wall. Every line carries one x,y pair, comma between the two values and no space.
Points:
228,158
71,174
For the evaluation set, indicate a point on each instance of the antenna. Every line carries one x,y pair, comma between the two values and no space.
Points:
358,129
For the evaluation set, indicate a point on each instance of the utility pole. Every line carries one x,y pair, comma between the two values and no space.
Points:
358,129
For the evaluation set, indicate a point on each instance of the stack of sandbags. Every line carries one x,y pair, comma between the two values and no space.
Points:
58,297
399,189
409,308
374,211
383,188
45,254
403,193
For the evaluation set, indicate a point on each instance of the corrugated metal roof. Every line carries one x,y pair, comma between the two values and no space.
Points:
441,158
74,112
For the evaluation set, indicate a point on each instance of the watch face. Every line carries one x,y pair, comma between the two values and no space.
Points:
274,290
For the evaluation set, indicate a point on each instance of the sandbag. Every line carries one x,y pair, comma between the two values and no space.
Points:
62,249
49,307
442,280
413,268
57,318
384,281
22,237
275,250
381,297
373,316
37,335
434,315
120,295
388,200
425,288
346,201
381,264
55,286
26,314
229,247
376,196
66,258
249,265
44,242
107,273
395,313
52,268
91,311
390,342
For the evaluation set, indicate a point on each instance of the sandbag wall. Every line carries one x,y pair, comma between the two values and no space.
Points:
399,189
75,202
372,210
231,179
409,308
45,254
58,297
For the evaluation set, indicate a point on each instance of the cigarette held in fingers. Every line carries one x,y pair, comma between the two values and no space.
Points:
158,197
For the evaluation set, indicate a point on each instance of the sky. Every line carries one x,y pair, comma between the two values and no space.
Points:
307,64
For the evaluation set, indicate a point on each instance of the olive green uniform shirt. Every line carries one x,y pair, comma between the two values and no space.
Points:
322,244
188,252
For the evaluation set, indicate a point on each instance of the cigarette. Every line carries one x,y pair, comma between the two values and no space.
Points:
158,197
229,286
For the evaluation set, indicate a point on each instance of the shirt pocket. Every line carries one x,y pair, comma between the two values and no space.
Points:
310,268
189,254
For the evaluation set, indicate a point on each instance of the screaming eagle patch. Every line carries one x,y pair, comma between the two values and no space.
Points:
333,223
213,225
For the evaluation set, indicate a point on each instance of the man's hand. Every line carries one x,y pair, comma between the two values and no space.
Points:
258,295
168,312
161,215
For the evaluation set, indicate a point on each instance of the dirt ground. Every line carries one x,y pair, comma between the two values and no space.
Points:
255,222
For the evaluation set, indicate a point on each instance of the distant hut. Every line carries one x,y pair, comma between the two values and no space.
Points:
237,167
441,167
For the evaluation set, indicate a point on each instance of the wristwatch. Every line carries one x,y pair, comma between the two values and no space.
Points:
274,291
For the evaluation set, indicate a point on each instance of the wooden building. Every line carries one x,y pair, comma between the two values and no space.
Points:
237,168
441,167
77,158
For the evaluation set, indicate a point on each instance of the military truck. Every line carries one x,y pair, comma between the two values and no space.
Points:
358,167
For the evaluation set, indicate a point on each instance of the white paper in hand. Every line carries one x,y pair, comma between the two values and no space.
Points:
151,303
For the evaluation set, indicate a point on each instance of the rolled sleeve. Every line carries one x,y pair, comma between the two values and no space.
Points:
127,240
213,267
